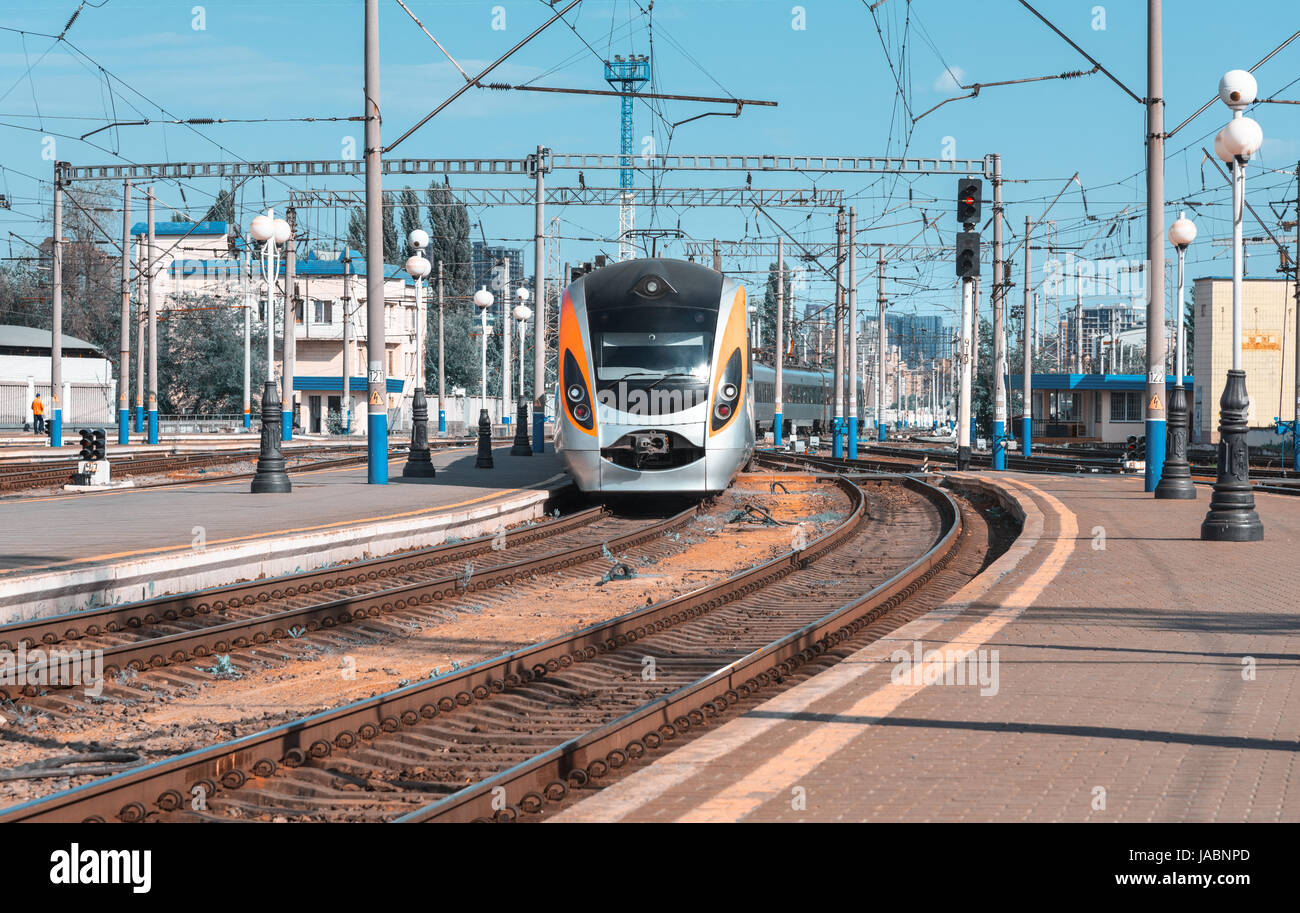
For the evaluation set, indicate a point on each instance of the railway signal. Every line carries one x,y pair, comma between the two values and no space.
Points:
968,254
99,445
970,192
87,451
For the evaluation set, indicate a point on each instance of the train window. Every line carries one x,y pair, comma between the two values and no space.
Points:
661,352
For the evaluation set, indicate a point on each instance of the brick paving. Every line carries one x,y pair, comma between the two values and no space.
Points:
1125,648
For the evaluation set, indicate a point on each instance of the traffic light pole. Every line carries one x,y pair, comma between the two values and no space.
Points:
963,402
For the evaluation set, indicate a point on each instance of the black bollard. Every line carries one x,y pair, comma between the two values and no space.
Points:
418,465
484,459
522,446
1176,477
271,476
1232,516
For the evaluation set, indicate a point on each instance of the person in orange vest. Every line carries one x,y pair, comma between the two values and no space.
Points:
38,414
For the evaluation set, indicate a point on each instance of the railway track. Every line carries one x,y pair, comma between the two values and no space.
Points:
175,630
507,735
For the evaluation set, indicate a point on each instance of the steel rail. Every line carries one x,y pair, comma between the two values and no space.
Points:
166,785
551,775
184,646
111,619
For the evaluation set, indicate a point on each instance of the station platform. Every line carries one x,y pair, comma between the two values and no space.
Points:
1118,669
66,552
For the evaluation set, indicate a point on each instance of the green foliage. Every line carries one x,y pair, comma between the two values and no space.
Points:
357,231
392,248
449,244
222,209
201,359
767,308
409,204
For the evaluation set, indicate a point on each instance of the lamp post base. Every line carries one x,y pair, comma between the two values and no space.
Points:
1232,516
1176,477
271,477
484,458
522,446
418,465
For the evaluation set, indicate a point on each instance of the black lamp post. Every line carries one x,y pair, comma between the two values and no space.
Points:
1232,516
1176,477
271,476
418,465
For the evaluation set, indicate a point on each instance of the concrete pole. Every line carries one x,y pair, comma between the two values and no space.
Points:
1155,388
837,417
56,317
346,399
289,343
124,353
778,405
141,348
245,265
999,327
539,306
153,323
376,384
964,401
505,343
1295,278
852,348
1031,302
1076,357
881,432
442,373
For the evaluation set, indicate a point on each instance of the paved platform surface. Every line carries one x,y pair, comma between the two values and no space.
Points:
42,534
1141,675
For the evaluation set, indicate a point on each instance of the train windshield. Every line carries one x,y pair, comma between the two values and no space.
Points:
655,353
650,343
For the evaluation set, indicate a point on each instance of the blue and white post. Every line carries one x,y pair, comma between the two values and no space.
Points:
376,384
837,309
56,316
1155,397
1027,382
289,342
852,349
882,432
124,348
999,318
777,398
150,278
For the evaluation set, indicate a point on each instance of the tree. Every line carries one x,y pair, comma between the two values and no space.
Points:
449,244
409,203
222,209
357,231
767,309
982,385
201,357
392,249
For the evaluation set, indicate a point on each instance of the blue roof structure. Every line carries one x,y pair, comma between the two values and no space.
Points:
310,265
1091,381
173,229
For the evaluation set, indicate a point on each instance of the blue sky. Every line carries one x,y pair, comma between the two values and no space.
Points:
835,80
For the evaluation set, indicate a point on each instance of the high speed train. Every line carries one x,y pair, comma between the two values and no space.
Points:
656,379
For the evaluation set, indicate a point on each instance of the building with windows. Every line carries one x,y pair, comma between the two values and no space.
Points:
204,261
1268,352
488,267
1088,407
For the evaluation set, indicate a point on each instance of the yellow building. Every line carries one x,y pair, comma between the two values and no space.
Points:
1268,352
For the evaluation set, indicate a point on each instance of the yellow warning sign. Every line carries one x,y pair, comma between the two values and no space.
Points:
1154,405
376,398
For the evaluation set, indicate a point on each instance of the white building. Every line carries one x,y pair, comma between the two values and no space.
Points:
89,392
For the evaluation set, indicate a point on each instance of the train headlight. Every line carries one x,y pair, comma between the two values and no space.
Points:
722,412
729,391
577,394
